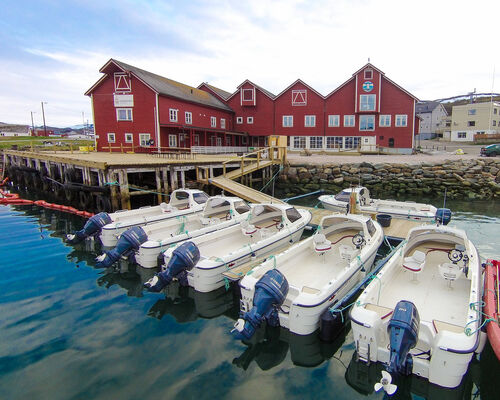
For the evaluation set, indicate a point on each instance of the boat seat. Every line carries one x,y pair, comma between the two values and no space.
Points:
383,312
321,243
165,208
248,229
450,272
415,263
444,326
347,252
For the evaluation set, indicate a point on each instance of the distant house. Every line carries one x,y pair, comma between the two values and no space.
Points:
474,118
431,115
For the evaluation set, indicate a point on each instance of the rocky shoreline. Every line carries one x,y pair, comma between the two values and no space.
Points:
463,179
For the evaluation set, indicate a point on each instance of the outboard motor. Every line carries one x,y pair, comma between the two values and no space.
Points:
443,216
91,228
129,241
183,259
403,331
270,293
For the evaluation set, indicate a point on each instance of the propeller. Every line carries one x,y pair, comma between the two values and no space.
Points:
385,383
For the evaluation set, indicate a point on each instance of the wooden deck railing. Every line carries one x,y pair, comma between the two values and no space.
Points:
274,154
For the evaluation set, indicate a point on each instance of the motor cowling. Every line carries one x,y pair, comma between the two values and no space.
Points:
270,293
183,259
92,227
403,332
443,216
129,241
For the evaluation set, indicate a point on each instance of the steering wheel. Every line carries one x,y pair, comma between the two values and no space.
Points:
228,216
358,240
455,255
279,225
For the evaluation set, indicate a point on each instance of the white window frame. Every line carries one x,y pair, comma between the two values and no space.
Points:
364,120
228,140
223,123
349,121
188,117
239,120
310,121
461,135
196,139
299,97
384,120
173,115
111,138
129,138
401,120
289,121
334,120
172,140
315,142
365,104
302,140
250,120
122,82
213,122
144,139
218,141
243,91
366,72
338,142
129,114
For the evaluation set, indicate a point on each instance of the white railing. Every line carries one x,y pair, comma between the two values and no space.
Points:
218,149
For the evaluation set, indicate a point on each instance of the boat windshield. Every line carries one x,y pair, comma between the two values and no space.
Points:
241,207
343,196
200,198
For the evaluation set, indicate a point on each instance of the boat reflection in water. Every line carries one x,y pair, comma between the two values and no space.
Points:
363,376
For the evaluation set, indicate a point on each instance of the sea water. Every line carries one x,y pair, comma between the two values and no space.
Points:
71,331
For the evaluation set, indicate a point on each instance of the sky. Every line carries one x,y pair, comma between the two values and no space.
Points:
51,50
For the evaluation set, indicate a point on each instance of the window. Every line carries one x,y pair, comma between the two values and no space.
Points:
200,198
249,120
472,123
293,215
316,142
122,82
352,142
172,140
173,115
144,139
124,114
401,120
299,142
367,102
129,138
228,140
472,111
494,123
287,121
462,135
188,117
367,122
384,120
333,120
349,120
196,139
247,94
495,111
218,141
222,123
310,121
299,97
111,137
334,142
241,207
368,74
213,122
239,120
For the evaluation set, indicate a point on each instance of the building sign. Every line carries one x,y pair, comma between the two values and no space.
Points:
368,86
124,100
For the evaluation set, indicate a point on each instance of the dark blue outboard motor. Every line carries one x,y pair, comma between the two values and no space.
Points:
270,293
183,259
443,216
129,241
403,331
91,228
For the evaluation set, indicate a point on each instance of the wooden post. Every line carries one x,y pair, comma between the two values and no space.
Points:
124,192
173,178
111,177
158,185
165,180
183,178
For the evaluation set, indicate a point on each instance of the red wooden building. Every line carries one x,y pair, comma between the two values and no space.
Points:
133,107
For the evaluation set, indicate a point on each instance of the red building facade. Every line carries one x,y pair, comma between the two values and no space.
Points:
133,107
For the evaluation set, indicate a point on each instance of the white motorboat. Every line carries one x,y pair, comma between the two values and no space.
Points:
149,241
422,313
201,261
319,271
110,226
358,200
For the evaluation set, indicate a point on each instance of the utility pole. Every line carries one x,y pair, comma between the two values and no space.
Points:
32,125
44,126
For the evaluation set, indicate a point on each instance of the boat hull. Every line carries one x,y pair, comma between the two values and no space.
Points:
491,304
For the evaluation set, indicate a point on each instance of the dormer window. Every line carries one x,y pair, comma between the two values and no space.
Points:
368,73
122,83
299,97
247,94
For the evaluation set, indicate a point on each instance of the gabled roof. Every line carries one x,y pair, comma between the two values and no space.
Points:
266,92
379,71
427,106
165,86
216,90
303,83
